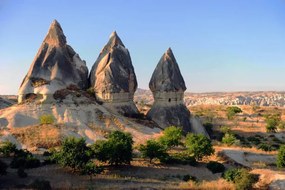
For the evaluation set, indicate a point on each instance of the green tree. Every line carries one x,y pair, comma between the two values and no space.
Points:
73,153
232,111
117,149
281,157
171,136
199,145
153,149
7,148
101,150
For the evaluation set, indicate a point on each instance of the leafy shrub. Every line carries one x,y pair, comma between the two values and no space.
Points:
281,157
232,111
199,145
74,153
188,177
225,129
40,184
215,167
242,179
21,173
229,139
153,149
7,148
3,168
231,174
272,122
171,136
47,119
117,149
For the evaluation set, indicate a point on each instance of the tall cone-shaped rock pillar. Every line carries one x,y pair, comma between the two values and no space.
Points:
113,77
168,87
55,67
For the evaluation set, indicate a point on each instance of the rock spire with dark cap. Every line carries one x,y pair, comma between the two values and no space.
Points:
168,86
113,77
55,67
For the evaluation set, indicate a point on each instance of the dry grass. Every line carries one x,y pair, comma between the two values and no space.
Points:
43,136
219,184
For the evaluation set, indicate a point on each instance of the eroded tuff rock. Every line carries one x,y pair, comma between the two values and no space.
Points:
113,77
55,67
168,86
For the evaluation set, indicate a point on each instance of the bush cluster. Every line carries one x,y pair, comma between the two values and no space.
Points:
116,150
232,111
241,177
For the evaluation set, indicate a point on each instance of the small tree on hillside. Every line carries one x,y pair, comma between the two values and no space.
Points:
232,111
171,136
74,153
121,145
281,157
199,145
117,149
153,149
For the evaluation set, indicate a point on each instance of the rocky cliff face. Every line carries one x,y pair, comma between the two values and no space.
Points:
167,86
113,78
55,67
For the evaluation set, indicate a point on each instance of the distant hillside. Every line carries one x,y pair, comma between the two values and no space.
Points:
262,98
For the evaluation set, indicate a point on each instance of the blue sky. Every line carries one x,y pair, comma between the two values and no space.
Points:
220,45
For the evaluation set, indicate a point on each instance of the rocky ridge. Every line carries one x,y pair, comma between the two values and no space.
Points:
262,98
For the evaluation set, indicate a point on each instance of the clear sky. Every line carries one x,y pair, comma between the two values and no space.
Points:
220,45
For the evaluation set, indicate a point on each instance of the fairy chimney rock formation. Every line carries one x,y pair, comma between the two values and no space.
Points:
168,87
113,77
55,67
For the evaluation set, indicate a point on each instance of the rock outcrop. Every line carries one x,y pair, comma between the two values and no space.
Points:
113,77
168,86
56,66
